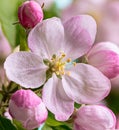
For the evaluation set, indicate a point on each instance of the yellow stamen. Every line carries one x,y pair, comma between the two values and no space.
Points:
74,63
69,60
57,65
53,69
57,73
63,55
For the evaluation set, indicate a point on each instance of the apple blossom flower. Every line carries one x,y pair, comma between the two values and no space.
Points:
54,47
26,107
29,14
94,117
105,57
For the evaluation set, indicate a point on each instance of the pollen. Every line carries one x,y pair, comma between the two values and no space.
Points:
69,60
57,65
63,54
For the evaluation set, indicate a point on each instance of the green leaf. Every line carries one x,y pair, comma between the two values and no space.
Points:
22,38
5,124
1,96
52,124
46,127
51,121
76,105
8,15
18,125
63,127
36,129
112,101
51,12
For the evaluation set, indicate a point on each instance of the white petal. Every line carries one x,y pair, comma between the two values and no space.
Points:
86,84
26,69
80,34
56,99
47,38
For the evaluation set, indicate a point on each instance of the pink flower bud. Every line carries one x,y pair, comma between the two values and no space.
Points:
105,57
94,117
29,14
26,107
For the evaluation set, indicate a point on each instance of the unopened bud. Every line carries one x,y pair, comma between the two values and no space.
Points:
26,107
30,13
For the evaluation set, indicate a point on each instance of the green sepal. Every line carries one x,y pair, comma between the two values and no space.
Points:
48,74
46,62
51,121
6,124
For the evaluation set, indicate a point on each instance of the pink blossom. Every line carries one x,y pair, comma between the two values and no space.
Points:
94,117
54,48
105,57
26,107
29,14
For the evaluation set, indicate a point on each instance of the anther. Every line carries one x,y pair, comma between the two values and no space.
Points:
63,54
69,60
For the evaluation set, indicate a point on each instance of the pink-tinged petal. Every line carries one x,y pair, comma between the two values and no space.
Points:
47,38
80,34
106,61
95,117
77,127
86,84
7,115
56,99
26,69
104,46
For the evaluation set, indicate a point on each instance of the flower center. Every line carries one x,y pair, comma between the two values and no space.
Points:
57,65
